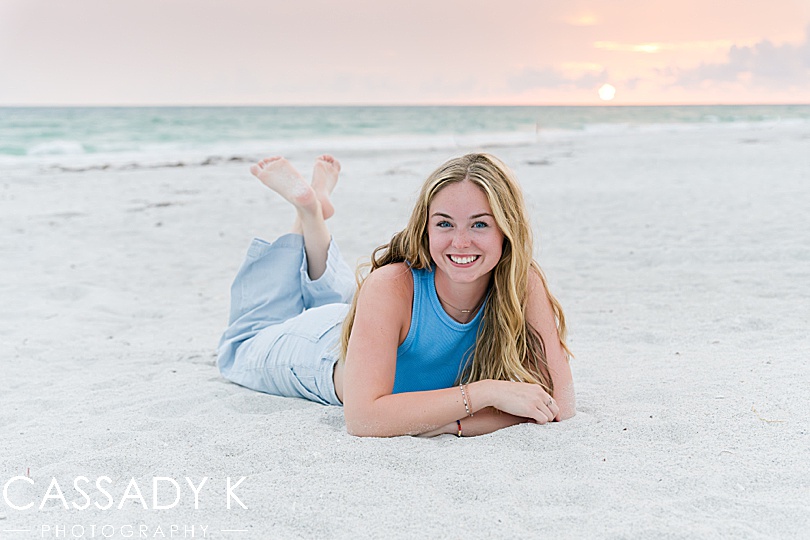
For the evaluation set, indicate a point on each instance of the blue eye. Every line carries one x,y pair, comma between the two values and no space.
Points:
443,224
479,225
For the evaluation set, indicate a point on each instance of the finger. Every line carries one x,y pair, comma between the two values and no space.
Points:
255,170
554,408
549,407
540,417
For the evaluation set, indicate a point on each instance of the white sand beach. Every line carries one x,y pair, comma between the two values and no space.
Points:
681,258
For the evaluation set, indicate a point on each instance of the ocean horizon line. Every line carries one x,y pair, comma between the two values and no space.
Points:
396,105
103,135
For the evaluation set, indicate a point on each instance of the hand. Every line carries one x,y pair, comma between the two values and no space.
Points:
528,400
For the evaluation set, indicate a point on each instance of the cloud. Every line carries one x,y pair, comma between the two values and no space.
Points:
656,47
583,19
763,64
532,78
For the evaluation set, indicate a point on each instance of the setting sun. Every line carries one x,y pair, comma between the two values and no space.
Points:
607,92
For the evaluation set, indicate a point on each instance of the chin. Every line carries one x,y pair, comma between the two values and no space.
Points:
464,275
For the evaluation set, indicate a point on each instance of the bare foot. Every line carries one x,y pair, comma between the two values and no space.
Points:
279,175
324,177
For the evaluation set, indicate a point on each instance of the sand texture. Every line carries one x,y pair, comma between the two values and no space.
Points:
681,257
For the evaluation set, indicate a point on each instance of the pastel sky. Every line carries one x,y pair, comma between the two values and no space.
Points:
130,52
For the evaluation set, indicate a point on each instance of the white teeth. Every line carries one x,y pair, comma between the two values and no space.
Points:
463,260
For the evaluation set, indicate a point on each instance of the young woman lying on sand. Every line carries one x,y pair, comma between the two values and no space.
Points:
453,331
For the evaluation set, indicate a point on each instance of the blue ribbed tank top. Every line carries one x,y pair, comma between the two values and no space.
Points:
436,347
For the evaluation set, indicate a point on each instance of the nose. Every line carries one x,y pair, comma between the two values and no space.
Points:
461,240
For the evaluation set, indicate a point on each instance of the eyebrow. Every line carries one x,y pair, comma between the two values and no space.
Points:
474,216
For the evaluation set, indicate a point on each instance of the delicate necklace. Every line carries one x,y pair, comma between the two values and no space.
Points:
458,309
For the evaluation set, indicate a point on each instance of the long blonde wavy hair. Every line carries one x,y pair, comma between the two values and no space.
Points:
506,347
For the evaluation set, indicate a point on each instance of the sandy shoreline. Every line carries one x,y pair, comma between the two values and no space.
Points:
682,260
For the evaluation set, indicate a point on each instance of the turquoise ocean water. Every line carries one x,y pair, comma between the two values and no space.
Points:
150,136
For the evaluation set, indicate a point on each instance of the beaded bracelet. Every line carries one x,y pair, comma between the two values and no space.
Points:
458,423
464,397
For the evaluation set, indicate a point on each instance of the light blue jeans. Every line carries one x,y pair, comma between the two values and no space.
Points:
284,329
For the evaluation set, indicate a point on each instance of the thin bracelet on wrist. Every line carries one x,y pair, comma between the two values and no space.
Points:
466,402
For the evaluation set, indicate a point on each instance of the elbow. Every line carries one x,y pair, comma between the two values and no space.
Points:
368,427
365,431
567,410
368,420
353,427
566,399
359,425
357,430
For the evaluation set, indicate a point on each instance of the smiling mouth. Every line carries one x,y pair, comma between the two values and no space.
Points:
463,260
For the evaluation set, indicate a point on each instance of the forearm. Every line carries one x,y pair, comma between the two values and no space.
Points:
483,422
413,413
436,411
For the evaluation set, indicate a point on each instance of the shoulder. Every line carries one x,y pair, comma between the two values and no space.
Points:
384,304
535,282
387,292
392,279
538,305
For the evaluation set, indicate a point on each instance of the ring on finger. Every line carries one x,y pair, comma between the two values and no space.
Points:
550,401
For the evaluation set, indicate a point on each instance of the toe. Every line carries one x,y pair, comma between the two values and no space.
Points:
329,159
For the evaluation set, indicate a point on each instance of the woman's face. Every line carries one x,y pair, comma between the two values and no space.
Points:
465,241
